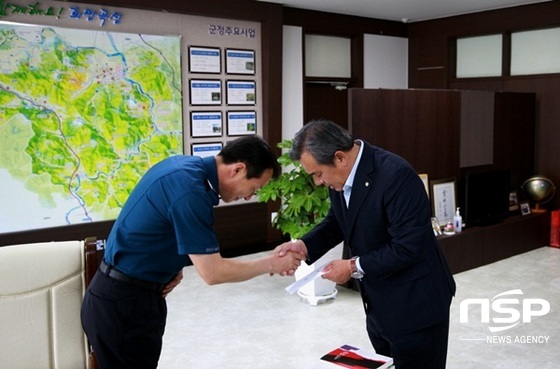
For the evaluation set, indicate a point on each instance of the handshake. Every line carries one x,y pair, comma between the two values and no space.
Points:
287,257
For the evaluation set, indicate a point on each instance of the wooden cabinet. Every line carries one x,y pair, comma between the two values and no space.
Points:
479,246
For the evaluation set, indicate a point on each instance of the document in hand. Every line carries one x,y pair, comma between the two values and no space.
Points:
305,280
347,356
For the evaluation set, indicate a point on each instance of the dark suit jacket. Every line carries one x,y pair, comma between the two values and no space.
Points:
407,284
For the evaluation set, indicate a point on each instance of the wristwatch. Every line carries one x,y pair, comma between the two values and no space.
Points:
356,274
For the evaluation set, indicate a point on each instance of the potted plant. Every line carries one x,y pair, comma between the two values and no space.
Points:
303,205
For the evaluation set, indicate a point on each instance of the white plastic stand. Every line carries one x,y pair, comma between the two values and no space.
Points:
320,289
315,300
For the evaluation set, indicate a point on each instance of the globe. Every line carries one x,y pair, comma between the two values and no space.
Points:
539,190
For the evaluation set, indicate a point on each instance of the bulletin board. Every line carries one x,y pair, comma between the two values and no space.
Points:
106,93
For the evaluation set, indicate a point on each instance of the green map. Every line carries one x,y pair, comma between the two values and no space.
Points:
83,115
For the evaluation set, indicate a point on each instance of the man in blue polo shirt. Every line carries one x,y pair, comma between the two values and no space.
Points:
165,225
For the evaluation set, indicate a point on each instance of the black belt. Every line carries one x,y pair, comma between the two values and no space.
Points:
113,273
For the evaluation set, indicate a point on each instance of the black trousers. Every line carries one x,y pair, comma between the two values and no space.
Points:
124,323
423,349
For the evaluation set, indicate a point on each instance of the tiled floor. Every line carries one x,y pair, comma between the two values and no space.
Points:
256,324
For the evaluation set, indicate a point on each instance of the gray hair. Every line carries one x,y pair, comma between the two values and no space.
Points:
321,139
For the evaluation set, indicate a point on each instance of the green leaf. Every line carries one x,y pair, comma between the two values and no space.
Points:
303,204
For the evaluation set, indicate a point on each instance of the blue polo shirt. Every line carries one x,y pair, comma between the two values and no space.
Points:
168,215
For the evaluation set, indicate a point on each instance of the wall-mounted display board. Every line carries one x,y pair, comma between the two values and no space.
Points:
206,149
93,96
206,124
240,61
205,60
205,92
241,92
241,123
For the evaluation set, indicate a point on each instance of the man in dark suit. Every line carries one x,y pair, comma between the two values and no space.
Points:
380,209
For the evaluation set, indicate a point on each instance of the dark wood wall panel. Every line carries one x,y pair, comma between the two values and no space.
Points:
547,124
427,59
477,84
514,135
429,77
424,127
431,45
99,230
477,128
341,25
323,101
420,126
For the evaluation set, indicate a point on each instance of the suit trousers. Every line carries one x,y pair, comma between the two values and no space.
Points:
124,323
423,349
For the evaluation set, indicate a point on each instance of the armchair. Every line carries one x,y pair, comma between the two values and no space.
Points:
41,291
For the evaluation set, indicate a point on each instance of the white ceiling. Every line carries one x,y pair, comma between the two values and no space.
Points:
403,10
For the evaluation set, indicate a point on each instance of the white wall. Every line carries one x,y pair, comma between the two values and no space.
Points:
385,62
292,81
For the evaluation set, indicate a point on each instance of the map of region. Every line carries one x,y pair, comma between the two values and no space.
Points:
83,115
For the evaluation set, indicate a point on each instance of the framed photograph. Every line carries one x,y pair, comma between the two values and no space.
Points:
240,61
513,201
206,123
240,92
206,149
205,92
525,208
240,123
443,199
424,178
205,60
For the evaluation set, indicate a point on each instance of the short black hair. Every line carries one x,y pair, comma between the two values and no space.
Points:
254,152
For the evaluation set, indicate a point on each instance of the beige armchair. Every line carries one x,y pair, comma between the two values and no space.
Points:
41,291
